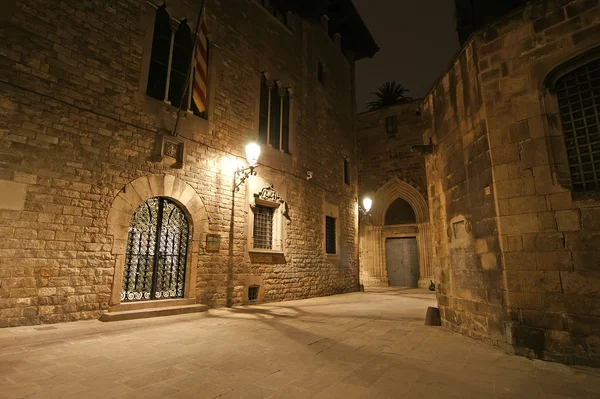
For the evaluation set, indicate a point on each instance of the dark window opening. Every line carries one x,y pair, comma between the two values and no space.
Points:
391,125
330,244
320,72
275,124
253,292
180,65
263,124
159,58
400,212
346,171
578,94
263,227
285,123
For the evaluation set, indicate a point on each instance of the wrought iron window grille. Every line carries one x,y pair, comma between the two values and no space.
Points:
253,291
578,95
330,235
156,252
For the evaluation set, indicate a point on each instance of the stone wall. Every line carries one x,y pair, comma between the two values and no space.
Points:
522,270
77,132
388,170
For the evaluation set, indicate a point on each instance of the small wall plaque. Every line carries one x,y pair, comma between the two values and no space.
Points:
171,150
213,242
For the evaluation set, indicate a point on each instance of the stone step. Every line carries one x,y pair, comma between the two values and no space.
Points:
158,303
152,312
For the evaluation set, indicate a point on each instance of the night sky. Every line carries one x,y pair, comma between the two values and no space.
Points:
417,40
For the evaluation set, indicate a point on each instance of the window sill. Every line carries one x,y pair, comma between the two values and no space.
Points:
265,251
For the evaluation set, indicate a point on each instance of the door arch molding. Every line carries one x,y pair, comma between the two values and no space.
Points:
127,201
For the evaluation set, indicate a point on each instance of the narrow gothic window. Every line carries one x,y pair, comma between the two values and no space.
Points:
346,171
263,227
159,59
275,123
391,125
169,74
263,123
330,244
156,252
285,123
578,95
320,72
274,117
180,65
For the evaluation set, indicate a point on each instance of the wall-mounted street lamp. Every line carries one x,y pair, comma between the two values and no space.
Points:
252,154
364,210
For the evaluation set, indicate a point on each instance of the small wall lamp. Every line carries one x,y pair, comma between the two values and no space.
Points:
364,210
252,154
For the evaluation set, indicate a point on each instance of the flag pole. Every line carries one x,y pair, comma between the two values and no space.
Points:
187,76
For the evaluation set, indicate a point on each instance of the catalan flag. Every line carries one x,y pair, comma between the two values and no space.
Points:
200,67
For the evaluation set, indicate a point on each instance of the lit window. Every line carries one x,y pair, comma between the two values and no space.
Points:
263,227
330,239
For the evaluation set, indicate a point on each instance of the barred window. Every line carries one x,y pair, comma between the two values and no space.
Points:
578,94
330,244
263,227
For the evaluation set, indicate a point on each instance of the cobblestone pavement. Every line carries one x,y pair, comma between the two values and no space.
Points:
360,345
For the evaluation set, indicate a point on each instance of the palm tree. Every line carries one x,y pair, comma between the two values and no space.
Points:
389,93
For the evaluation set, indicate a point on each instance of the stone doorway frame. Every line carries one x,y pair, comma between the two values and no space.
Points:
373,271
126,202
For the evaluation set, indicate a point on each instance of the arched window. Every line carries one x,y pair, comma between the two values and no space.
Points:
578,94
400,212
156,252
180,65
169,74
275,120
263,124
274,116
159,60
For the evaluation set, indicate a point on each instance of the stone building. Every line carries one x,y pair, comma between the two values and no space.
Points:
513,183
105,203
395,241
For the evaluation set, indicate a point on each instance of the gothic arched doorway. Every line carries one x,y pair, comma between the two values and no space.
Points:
401,251
157,246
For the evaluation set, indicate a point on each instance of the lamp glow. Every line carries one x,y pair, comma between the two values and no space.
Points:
367,203
252,153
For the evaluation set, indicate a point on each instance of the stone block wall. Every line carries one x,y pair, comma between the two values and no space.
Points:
384,156
534,241
388,170
76,130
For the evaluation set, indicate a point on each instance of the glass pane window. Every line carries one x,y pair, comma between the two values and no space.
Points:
263,227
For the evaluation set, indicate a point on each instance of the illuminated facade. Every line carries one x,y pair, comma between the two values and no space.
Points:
112,205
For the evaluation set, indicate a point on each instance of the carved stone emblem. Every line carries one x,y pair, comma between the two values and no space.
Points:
269,194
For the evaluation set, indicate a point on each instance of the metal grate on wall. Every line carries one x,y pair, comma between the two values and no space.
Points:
330,235
263,227
578,95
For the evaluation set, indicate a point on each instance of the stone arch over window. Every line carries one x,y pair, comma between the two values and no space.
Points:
572,102
136,193
390,192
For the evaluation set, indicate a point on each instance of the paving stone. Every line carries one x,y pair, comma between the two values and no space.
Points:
238,353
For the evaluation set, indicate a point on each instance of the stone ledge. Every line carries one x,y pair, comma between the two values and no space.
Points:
152,312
